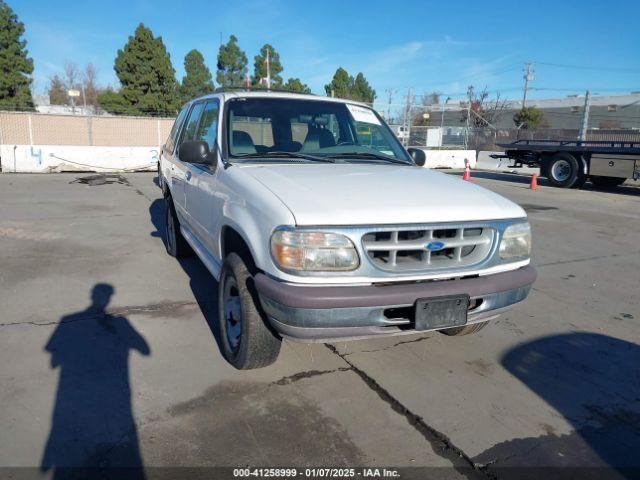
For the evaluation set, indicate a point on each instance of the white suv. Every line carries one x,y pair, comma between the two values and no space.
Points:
319,226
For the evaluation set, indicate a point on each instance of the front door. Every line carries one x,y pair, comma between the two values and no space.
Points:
201,189
181,174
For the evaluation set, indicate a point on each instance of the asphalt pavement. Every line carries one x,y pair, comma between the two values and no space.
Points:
108,355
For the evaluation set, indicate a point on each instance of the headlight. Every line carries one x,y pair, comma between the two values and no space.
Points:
313,251
516,241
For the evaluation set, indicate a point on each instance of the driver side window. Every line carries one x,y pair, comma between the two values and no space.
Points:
208,127
189,130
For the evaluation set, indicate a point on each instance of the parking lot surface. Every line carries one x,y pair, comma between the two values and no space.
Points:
108,355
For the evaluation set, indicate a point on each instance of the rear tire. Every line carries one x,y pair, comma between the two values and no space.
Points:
174,242
466,330
564,171
247,340
606,183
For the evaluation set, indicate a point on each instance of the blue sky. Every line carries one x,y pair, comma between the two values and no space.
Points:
427,46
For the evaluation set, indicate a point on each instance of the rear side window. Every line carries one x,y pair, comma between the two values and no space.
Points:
170,144
189,130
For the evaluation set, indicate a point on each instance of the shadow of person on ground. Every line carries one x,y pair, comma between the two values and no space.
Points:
593,381
92,426
203,285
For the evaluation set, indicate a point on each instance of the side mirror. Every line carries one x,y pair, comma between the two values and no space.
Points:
418,156
194,151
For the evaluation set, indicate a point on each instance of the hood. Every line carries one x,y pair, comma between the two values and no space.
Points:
357,194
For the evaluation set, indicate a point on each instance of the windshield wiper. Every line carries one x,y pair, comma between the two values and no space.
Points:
367,155
279,154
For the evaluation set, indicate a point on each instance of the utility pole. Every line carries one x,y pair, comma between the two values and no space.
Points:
268,71
407,119
585,116
528,77
390,92
466,131
84,98
442,120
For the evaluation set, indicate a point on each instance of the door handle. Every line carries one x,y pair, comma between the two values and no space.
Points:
188,175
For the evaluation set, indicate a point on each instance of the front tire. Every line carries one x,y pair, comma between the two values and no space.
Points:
564,171
606,183
466,330
247,341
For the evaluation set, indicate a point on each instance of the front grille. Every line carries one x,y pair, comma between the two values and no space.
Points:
403,250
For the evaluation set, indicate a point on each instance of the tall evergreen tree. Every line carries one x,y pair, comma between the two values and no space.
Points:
232,64
341,85
15,65
344,85
147,78
57,91
260,67
197,80
362,90
295,85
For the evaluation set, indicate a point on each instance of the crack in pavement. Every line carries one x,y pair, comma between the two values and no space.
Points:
158,308
421,339
586,259
439,442
308,374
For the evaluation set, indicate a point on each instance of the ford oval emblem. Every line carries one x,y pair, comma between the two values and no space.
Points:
434,246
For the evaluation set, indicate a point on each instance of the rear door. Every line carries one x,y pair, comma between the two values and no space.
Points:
180,174
201,199
169,148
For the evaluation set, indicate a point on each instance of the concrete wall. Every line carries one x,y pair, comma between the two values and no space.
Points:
26,128
64,158
449,158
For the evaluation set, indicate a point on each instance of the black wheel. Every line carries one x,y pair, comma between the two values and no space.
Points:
606,182
160,183
174,242
466,330
564,171
247,341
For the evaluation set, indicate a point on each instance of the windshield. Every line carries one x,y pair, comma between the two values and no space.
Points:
282,129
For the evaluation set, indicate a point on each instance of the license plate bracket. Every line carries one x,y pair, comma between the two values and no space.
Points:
441,312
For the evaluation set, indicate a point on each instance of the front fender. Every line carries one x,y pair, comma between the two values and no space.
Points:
253,211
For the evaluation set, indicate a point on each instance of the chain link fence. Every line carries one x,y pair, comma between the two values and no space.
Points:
30,128
487,139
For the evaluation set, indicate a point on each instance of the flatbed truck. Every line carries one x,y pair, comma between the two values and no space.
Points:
570,163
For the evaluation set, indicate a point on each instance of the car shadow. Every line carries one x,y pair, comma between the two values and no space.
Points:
203,285
93,430
593,381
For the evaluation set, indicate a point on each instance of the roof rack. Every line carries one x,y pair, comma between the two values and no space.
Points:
259,89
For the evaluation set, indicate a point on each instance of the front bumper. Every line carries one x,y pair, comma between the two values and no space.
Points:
326,314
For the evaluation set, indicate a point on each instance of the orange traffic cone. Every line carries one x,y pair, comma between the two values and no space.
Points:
534,182
467,171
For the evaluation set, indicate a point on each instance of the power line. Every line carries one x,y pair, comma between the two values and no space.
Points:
580,89
594,68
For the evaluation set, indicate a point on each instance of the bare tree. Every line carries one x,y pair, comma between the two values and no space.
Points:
482,111
57,91
91,89
71,75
